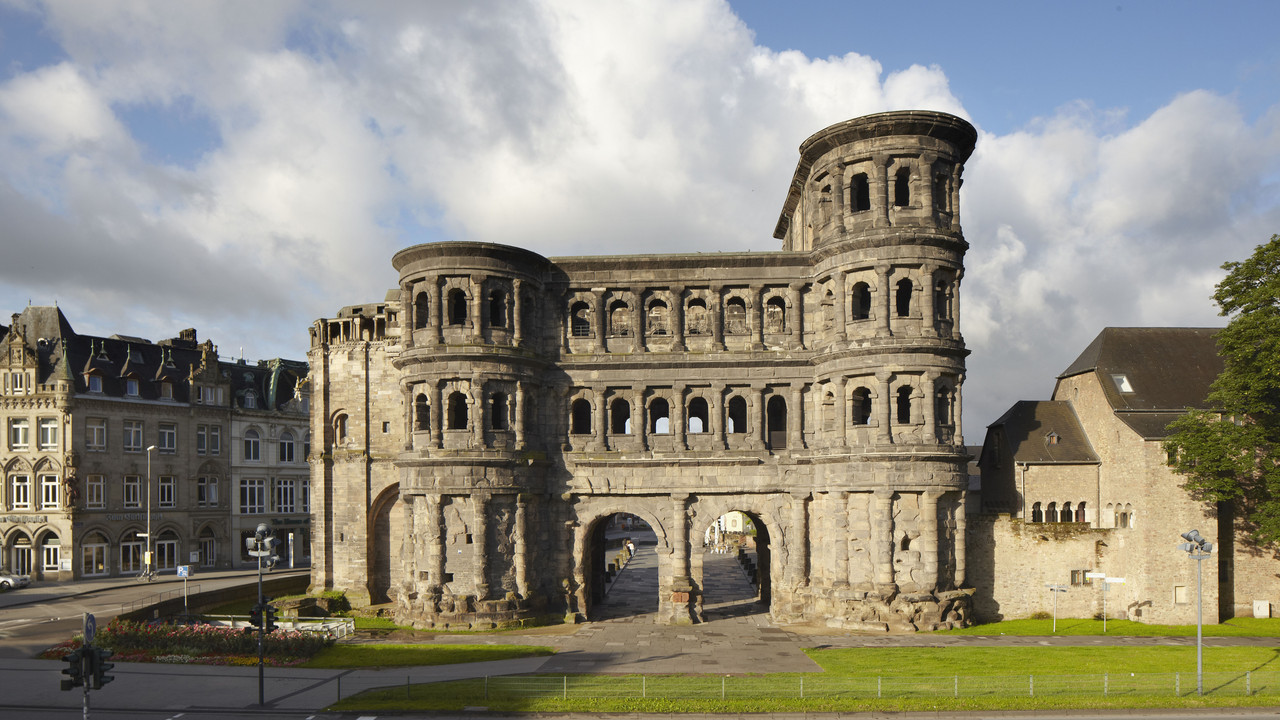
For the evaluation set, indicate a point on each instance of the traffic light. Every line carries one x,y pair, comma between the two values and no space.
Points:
255,616
269,618
74,670
98,659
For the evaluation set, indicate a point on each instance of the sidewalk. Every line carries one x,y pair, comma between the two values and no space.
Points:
45,591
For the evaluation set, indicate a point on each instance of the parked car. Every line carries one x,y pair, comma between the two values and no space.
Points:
9,581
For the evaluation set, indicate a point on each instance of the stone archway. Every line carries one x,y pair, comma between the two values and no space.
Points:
386,530
589,548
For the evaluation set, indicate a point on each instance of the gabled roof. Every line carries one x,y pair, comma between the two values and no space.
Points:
1150,376
1030,426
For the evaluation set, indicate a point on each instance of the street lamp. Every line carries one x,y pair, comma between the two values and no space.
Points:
1198,549
150,573
261,546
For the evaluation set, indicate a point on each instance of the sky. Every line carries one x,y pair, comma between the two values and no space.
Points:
246,168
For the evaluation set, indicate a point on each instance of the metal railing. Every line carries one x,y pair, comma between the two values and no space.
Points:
157,598
870,687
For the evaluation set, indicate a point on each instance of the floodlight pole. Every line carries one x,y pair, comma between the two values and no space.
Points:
1198,549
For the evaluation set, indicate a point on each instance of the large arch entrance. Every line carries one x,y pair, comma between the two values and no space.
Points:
623,562
385,533
735,566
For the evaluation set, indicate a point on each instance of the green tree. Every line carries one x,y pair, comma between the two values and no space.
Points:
1228,453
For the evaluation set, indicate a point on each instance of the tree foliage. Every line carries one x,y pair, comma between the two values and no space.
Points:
1228,454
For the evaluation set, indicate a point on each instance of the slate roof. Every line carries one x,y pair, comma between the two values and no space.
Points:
1168,370
1028,428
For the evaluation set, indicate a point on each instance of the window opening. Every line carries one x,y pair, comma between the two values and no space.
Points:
620,417
737,415
859,193
697,318
698,415
861,297
904,297
421,413
861,411
775,315
776,411
904,405
457,307
580,417
498,308
421,310
620,319
735,316
457,411
499,411
1036,514
580,320
659,417
658,318
902,187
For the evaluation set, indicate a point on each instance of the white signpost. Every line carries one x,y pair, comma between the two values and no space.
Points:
184,572
1107,582
1054,590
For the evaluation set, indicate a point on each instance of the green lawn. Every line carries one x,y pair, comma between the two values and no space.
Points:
884,680
1235,627
378,655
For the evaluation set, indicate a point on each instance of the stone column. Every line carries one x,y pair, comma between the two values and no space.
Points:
925,167
566,326
639,417
480,544
959,438
601,319
755,317
882,529
886,301
521,549
929,408
519,420
841,419
517,311
955,197
717,317
929,538
602,426
678,422
435,537
840,538
677,319
884,428
799,557
637,322
440,316
795,314
880,189
795,419
955,307
680,540
478,413
838,195
437,416
715,416
477,309
842,306
961,544
757,410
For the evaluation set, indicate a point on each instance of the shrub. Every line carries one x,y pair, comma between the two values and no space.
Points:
1041,615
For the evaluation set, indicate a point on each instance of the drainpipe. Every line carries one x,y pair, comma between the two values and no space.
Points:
1023,468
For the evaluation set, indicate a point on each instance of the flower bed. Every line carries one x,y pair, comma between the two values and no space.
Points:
203,644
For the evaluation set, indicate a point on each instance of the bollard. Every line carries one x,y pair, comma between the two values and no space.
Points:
801,688
1106,684
878,691
1177,683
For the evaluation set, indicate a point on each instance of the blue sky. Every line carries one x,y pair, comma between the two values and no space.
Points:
246,168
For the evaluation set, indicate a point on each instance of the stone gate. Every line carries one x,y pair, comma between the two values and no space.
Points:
473,430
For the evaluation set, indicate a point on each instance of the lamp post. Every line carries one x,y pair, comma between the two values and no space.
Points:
1198,549
261,546
150,573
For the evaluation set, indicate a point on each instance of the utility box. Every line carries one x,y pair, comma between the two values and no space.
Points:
1262,608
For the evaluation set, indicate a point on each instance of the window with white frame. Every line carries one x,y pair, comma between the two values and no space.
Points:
284,500
94,493
208,551
215,439
133,436
168,491
19,434
131,556
168,438
20,492
210,396
94,383
93,556
51,554
304,492
206,491
16,382
286,447
252,445
95,434
131,387
253,497
250,401
202,439
50,492
132,491
48,433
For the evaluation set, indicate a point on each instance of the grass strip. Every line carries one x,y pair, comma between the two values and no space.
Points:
1235,627
381,655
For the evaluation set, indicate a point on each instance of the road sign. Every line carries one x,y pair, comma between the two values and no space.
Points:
1095,575
1115,581
184,571
90,628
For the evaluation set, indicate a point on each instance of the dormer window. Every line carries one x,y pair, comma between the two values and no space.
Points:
94,383
250,401
166,390
1122,383
1052,438
131,387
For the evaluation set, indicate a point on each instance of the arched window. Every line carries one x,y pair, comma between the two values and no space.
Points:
903,297
457,411
285,448
620,417
737,415
252,445
904,405
941,308
498,309
905,544
659,417
776,411
1067,515
340,427
421,310
775,315
619,319
580,417
499,411
1081,515
942,406
940,191
658,318
696,318
861,300
457,307
735,316
861,407
698,415
580,319
1036,514
828,310
421,413
859,193
902,187
1109,516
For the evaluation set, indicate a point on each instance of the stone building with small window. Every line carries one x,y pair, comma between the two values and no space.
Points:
477,428
88,420
1079,484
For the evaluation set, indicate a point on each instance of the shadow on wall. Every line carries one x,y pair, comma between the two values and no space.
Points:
980,564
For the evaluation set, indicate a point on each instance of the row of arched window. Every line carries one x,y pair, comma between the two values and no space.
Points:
1055,513
458,412
458,308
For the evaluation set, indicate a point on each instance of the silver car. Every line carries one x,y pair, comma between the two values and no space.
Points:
9,581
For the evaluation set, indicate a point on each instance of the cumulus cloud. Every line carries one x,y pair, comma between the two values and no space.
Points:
340,133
